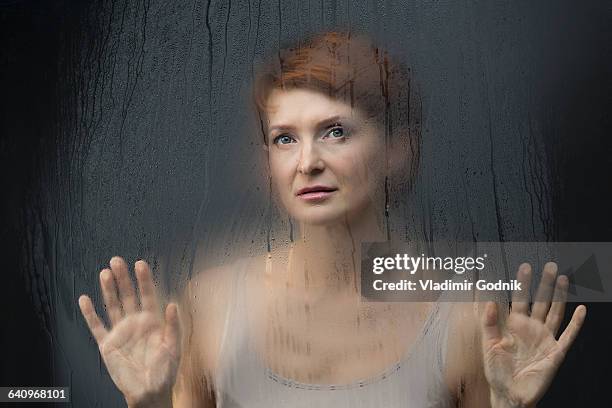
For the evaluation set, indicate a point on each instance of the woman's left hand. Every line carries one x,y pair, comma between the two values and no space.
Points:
521,359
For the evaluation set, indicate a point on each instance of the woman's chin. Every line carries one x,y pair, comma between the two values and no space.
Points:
322,216
332,213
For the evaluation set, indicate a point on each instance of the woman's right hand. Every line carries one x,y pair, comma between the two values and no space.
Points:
142,348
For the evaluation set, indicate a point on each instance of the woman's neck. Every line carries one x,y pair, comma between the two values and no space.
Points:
325,258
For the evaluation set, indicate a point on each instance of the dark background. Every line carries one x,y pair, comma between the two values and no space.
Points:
47,45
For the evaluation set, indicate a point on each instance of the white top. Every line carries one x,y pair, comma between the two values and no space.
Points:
243,380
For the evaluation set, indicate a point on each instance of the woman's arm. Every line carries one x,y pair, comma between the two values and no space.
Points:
188,391
519,358
464,371
151,363
141,346
203,308
522,357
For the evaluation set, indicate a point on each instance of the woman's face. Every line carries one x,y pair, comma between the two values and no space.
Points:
327,162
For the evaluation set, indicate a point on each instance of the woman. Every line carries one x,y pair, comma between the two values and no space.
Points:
290,328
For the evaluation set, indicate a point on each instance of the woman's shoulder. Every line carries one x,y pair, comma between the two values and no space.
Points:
205,302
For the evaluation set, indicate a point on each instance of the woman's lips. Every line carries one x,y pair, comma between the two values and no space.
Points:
315,193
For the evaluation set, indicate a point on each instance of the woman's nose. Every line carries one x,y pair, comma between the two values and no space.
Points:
310,159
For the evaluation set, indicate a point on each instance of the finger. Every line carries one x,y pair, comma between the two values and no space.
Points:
148,297
490,331
557,309
573,328
96,327
541,303
172,329
127,295
520,298
109,292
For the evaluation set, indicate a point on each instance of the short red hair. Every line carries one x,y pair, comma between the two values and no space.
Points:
345,67
352,69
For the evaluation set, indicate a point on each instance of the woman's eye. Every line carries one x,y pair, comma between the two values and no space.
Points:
336,132
283,139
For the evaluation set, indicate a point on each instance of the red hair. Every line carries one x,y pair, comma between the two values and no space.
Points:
354,70
342,66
